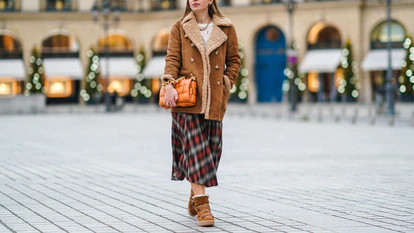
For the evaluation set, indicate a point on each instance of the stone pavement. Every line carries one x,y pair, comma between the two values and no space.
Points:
110,173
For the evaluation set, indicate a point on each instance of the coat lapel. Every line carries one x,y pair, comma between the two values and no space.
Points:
217,36
191,30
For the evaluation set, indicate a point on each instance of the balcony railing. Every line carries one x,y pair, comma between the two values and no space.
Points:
59,5
262,2
164,5
121,5
225,2
333,44
112,53
11,54
59,54
383,45
10,5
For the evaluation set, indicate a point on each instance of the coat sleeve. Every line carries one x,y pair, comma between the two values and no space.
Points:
233,61
173,58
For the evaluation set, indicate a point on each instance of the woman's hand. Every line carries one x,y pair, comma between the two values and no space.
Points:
171,96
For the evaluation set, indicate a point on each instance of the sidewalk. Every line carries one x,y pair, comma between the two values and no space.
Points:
110,173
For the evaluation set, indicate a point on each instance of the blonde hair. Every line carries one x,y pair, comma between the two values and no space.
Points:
212,9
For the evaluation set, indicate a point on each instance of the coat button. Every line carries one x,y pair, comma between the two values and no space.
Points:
217,52
192,45
217,67
191,59
219,83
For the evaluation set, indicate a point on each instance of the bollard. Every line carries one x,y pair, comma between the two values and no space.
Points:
278,115
354,118
412,121
320,115
337,118
253,114
291,116
33,109
371,117
391,121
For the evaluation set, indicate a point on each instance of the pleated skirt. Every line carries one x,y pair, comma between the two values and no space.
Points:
196,148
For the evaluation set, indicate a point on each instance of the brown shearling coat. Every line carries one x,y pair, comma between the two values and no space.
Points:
215,66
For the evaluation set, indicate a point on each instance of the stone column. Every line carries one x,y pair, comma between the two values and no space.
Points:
333,91
30,5
321,92
240,3
181,4
144,5
85,5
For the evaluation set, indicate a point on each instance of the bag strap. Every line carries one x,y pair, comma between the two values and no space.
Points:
173,82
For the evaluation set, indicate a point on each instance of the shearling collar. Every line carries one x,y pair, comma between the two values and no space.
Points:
217,36
216,20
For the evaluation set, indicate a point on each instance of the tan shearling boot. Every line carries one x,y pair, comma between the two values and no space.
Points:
191,209
202,206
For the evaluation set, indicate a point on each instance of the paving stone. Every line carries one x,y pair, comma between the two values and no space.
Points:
110,173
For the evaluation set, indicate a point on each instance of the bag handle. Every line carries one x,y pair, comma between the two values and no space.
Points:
173,82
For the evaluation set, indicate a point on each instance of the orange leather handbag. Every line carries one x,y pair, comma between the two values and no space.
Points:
186,89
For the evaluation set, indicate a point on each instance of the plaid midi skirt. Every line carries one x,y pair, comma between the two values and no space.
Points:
196,148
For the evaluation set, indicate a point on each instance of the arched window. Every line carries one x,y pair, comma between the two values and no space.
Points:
116,43
160,43
118,66
121,5
60,44
225,2
159,5
259,2
379,36
324,36
59,5
10,5
10,47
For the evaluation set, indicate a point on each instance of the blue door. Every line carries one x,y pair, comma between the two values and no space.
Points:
270,64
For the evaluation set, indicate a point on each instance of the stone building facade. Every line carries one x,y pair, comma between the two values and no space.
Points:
320,29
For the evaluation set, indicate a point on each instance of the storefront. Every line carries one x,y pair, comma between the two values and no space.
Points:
12,70
321,62
62,67
118,66
376,61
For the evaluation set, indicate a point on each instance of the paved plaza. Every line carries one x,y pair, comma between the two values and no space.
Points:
111,173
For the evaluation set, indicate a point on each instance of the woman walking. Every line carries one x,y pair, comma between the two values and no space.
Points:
202,44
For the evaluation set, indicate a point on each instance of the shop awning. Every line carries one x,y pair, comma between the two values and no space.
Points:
378,59
119,66
12,68
63,67
155,68
321,60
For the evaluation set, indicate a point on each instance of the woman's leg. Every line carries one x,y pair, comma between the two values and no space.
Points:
198,189
201,206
